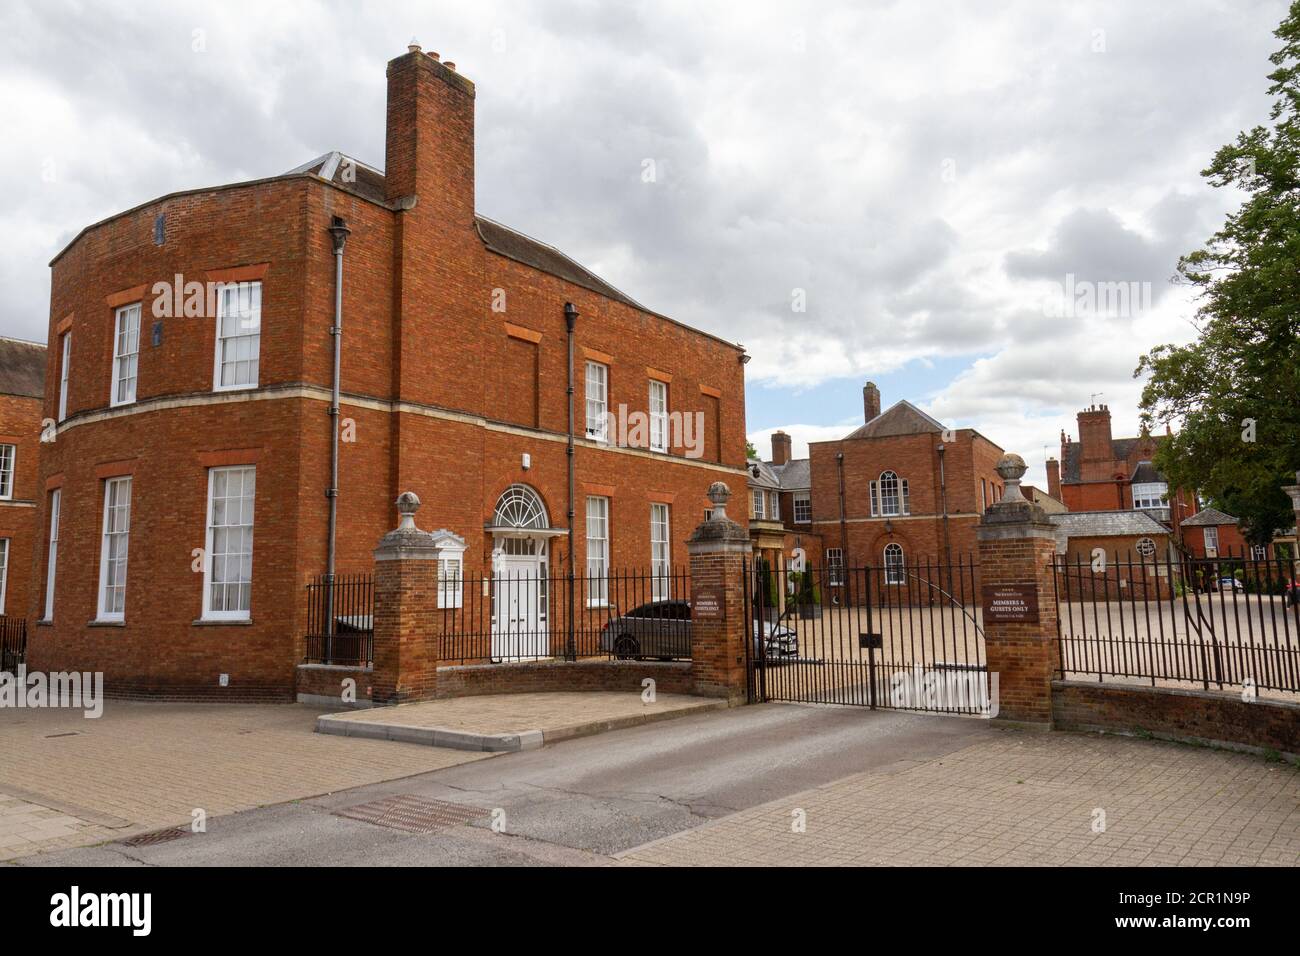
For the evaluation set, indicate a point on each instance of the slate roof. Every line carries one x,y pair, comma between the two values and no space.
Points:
901,418
1107,524
766,477
22,368
1209,517
368,182
794,475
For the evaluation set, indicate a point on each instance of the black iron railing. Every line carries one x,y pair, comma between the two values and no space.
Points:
1227,622
341,620
13,643
523,615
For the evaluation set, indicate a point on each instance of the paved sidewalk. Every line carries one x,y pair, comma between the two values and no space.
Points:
507,722
1020,799
69,781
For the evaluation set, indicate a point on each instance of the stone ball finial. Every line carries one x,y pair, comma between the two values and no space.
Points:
1012,468
719,494
408,503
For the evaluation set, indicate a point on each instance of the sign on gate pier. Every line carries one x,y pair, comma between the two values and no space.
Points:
708,603
1010,603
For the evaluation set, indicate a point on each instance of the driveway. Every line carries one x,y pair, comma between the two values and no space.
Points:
66,780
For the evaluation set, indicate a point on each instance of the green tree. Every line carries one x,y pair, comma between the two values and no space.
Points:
750,450
1236,389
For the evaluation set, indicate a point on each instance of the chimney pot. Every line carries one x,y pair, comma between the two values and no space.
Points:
413,47
449,65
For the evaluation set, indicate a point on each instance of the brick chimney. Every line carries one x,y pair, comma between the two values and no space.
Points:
1094,434
780,448
429,145
1054,478
870,401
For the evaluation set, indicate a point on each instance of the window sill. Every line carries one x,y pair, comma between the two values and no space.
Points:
45,622
598,604
221,622
99,623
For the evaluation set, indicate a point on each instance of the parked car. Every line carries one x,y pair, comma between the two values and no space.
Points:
662,629
1230,584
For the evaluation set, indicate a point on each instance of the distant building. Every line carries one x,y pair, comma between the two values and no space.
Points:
780,507
1041,498
22,386
1112,552
1102,473
900,489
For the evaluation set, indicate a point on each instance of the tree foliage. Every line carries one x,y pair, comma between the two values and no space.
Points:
1236,389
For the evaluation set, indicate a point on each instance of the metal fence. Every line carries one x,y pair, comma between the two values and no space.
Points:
904,636
516,616
523,615
341,620
1225,622
13,643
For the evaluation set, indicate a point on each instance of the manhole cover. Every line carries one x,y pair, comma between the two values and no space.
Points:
413,814
157,836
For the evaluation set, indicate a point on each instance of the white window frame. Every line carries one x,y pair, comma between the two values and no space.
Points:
886,480
254,359
1149,494
661,550
658,405
65,359
895,564
451,579
8,470
757,502
597,551
5,548
835,566
806,510
126,354
1211,532
984,495
112,506
1258,552
776,506
52,559
226,614
596,393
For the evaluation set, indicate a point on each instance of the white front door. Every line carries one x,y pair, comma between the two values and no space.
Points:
519,628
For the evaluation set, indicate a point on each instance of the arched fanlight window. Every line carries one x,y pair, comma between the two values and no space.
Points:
1146,547
894,573
889,495
520,507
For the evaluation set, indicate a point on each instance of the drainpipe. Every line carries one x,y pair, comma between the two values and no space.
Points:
844,530
943,499
339,231
570,320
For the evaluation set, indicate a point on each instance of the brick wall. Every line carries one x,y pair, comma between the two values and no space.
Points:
1200,716
20,426
543,676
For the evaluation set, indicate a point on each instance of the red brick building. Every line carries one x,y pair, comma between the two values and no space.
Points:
898,490
1102,473
22,387
780,509
187,422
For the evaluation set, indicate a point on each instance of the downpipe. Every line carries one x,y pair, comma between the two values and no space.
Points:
339,232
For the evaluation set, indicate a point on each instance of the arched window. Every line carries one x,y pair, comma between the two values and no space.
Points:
894,567
520,507
1147,548
889,495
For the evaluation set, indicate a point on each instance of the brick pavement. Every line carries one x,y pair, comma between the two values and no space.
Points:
1021,799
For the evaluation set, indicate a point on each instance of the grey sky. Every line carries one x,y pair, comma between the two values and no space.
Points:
926,172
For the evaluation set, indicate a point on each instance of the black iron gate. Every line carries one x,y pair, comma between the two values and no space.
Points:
13,643
901,636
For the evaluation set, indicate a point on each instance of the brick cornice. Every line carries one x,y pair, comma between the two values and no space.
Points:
126,296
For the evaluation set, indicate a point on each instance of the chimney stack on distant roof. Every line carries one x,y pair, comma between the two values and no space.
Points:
870,401
781,444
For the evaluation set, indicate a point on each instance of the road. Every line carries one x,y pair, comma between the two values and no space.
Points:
577,802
